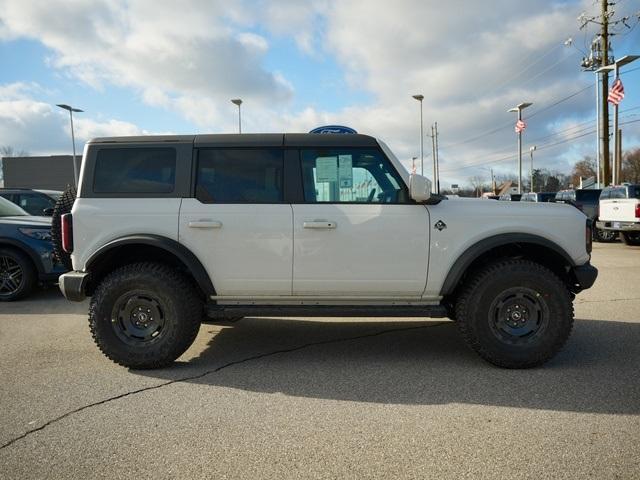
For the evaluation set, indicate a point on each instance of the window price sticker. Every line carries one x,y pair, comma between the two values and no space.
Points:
345,171
326,169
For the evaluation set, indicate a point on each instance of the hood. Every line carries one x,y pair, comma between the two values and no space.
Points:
27,221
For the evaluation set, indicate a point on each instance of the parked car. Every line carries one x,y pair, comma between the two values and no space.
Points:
538,197
620,212
587,200
167,229
510,197
26,252
34,202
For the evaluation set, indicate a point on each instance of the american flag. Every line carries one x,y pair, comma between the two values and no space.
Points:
616,94
520,126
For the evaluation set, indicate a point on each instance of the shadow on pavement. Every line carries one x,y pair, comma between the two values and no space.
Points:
44,300
420,363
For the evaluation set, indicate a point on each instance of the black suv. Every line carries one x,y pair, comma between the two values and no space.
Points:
587,200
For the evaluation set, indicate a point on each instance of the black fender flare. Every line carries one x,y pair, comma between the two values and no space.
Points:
26,249
185,255
465,260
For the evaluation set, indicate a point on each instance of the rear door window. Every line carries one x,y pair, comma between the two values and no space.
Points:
240,175
135,170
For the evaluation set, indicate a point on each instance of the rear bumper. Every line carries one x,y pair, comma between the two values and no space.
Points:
585,276
619,226
72,285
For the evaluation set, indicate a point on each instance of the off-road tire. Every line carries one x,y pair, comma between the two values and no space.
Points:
605,236
64,204
477,311
178,303
28,274
631,238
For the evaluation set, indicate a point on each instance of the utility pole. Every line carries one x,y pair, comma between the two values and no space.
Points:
604,117
435,156
437,160
493,182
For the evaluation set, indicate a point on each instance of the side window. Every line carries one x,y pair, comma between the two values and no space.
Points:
350,175
33,203
135,170
240,175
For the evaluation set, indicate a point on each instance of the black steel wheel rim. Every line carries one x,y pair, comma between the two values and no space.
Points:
139,318
519,315
11,276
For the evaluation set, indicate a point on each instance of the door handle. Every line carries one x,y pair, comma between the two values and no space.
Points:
205,224
320,225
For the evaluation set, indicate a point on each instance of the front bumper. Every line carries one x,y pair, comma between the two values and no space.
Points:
72,285
585,276
619,226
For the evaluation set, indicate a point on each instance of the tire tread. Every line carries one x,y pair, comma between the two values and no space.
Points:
465,303
188,324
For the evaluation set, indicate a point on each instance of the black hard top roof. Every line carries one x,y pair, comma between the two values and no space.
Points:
251,140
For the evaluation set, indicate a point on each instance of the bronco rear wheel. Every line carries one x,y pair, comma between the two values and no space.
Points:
144,315
515,313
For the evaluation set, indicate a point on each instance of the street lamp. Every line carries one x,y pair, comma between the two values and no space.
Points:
617,137
531,150
238,102
420,98
518,108
73,138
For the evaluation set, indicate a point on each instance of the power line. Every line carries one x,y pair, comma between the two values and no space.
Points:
541,147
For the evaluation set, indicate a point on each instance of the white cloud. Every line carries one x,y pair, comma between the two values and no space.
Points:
38,127
174,53
471,60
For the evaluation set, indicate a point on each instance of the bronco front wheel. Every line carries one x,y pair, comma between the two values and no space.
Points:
515,313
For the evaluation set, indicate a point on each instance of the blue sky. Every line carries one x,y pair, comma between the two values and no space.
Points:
134,68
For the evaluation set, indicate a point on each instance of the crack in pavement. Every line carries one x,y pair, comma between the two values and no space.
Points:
608,300
214,370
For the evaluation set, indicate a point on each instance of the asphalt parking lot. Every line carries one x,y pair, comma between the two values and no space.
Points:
325,398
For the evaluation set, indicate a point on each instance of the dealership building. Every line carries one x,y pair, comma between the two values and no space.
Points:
54,172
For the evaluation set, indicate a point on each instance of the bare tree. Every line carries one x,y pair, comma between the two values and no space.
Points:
584,168
9,151
631,166
478,183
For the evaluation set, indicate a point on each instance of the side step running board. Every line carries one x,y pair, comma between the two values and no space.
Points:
226,311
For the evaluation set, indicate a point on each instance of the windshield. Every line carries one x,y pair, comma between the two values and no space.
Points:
8,209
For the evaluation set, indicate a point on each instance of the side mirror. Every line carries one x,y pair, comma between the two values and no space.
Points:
47,212
419,188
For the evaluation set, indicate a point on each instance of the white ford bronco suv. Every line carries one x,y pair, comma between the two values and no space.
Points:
166,230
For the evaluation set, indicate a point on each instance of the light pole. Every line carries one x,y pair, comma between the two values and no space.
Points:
531,150
617,137
238,102
420,98
73,138
518,108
